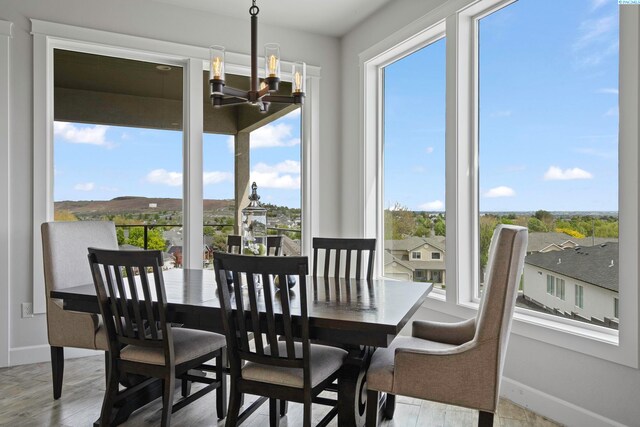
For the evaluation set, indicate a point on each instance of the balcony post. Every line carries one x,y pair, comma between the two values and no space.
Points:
242,175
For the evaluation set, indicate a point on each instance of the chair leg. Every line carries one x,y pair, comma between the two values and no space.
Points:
373,397
109,396
235,402
186,388
167,398
107,363
306,412
274,412
221,392
390,406
485,419
284,407
57,370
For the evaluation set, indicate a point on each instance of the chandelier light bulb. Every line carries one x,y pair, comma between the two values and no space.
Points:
272,59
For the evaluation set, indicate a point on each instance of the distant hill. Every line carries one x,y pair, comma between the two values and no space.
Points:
134,204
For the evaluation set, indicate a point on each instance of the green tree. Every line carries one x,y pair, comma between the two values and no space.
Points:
154,238
488,224
399,222
534,224
120,236
440,227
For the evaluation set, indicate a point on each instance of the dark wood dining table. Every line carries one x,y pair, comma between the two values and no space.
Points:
359,315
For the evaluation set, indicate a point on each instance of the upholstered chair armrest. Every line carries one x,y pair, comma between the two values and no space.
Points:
465,375
448,333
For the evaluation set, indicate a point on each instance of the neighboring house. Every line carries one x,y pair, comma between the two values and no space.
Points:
419,259
579,282
553,241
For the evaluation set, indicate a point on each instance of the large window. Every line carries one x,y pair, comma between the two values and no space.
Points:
117,151
275,168
548,144
534,137
414,164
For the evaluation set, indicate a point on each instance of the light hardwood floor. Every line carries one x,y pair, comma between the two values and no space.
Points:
26,400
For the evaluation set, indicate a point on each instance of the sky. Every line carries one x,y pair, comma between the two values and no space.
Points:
97,162
548,115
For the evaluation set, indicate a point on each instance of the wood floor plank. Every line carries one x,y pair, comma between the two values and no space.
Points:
26,400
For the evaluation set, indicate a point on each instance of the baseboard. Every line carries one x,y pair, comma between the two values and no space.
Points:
552,407
42,353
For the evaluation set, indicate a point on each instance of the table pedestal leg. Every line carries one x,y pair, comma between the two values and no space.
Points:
352,388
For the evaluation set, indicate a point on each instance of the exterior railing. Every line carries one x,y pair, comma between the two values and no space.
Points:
147,227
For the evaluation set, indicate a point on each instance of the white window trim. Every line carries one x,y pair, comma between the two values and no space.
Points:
5,189
48,36
461,163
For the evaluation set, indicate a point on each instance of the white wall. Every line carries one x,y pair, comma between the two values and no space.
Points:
568,386
598,301
162,22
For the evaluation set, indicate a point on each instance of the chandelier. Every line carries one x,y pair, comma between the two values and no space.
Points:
261,93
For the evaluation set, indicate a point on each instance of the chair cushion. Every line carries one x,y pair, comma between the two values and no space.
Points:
325,361
380,373
188,344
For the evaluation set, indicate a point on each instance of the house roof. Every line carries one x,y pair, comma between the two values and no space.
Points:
389,258
539,240
414,242
597,265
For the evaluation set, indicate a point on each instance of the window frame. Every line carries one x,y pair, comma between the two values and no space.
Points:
48,36
416,255
457,18
550,285
579,296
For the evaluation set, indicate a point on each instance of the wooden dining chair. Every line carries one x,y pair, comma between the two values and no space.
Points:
64,247
283,370
274,245
131,295
325,247
457,363
234,244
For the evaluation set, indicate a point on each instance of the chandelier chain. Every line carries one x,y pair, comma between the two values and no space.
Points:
254,10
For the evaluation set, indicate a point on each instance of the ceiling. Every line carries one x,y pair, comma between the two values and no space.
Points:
328,17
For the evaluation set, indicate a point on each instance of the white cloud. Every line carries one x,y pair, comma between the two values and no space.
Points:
608,90
284,175
273,135
613,111
216,177
429,150
594,30
501,191
436,205
556,174
162,176
84,186
294,114
596,4
93,135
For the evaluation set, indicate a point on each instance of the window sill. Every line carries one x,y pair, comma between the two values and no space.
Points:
592,340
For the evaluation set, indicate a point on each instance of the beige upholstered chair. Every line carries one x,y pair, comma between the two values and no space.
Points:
64,247
460,363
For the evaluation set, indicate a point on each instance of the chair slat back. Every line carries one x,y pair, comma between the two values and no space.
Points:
234,244
274,245
267,311
132,298
364,249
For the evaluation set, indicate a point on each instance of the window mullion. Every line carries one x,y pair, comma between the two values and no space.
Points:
192,175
